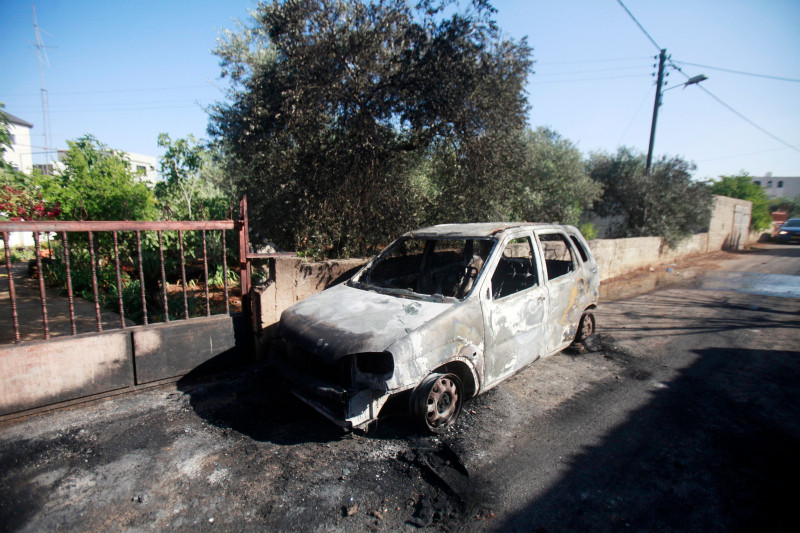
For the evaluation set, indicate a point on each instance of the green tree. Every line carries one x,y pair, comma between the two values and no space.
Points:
338,110
786,203
180,168
96,184
741,186
666,202
19,198
554,185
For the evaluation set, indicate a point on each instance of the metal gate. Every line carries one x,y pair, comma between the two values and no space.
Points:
191,327
741,227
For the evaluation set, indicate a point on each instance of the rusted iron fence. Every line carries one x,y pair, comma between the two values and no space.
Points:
101,242
86,241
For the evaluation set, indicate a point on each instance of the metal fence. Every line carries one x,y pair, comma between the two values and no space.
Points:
116,229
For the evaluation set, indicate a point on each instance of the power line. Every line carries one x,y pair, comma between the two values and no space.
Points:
719,100
748,120
634,116
743,155
638,24
109,91
585,79
616,69
781,78
735,112
640,58
121,105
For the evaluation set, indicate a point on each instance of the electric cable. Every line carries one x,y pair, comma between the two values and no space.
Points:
641,104
734,111
585,79
712,95
743,155
781,78
638,24
640,58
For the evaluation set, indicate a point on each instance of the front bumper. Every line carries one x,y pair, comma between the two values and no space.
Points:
793,237
345,407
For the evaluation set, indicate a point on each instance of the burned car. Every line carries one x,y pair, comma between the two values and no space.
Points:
442,314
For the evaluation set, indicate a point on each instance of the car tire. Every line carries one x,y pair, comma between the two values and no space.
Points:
585,327
436,402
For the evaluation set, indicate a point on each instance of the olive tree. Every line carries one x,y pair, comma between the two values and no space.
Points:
349,121
665,202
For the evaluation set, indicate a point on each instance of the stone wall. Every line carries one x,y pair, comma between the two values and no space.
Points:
293,279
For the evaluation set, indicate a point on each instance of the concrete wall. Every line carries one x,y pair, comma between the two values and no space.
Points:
617,257
294,279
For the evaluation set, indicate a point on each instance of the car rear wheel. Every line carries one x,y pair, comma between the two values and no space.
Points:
585,327
436,402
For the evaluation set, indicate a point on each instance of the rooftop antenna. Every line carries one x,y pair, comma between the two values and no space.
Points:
41,50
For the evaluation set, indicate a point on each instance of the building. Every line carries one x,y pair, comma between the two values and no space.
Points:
776,187
19,155
143,166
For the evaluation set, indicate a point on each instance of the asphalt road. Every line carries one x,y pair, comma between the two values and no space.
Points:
682,414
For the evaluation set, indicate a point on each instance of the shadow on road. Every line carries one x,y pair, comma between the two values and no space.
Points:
777,250
715,449
252,400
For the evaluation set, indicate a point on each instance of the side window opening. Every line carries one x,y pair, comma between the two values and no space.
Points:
516,270
557,254
581,250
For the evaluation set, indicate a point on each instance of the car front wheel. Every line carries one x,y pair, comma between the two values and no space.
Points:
436,402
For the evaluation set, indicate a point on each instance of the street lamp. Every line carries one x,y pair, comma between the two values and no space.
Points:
694,80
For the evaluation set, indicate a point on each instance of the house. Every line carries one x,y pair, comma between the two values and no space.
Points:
776,187
19,154
144,166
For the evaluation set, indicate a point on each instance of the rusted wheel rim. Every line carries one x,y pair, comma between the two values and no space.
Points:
442,403
587,326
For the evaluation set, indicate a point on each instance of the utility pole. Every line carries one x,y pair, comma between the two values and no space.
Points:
41,48
662,58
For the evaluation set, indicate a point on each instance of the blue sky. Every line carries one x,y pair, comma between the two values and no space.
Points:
125,71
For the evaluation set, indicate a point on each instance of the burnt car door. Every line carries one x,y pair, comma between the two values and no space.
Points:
563,283
514,304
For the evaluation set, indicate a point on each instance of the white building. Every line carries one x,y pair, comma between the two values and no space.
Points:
144,166
19,154
776,187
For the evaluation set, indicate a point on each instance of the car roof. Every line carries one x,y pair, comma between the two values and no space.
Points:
477,229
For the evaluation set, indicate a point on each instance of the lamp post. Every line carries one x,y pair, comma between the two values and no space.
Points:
662,58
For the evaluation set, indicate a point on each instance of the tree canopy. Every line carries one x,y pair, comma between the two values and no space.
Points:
553,185
344,119
741,186
666,202
96,184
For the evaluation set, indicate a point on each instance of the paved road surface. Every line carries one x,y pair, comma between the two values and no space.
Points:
684,415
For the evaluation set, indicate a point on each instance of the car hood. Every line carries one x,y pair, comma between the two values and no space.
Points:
344,320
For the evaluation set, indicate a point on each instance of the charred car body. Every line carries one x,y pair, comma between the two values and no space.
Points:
442,314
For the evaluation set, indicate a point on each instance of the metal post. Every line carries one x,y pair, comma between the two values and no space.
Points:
11,292
244,262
